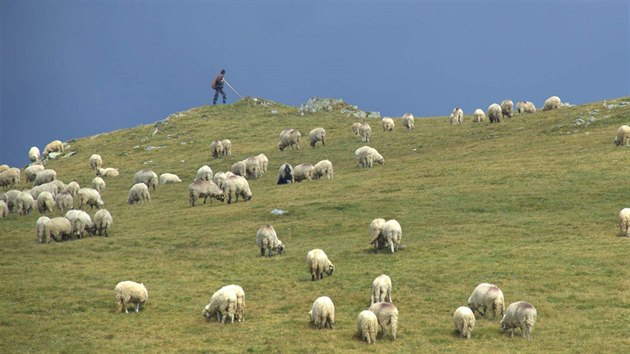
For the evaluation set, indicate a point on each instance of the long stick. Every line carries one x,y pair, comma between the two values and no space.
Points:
230,86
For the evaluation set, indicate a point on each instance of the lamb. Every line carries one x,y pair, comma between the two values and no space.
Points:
25,203
239,168
322,313
222,304
253,167
408,121
285,174
102,222
552,102
489,297
4,209
45,202
366,156
623,136
457,116
355,128
291,137
204,173
464,321
317,134
81,222
494,113
139,192
318,264
107,172
264,162
31,172
58,227
240,301
479,115
376,234
64,201
324,168
227,147
525,107
624,222
40,229
388,124
33,154
382,289
130,292
99,184
216,149
53,146
506,108
169,178
387,316
303,171
266,238
147,177
365,131
237,186
367,326
204,189
392,233
9,178
520,314
96,162
91,197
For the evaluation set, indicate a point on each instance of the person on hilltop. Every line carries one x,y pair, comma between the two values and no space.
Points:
217,86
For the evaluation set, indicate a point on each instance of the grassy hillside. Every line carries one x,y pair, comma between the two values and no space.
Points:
529,204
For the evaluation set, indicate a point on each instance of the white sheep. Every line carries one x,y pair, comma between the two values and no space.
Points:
169,178
266,239
487,297
45,202
53,146
204,189
506,108
624,222
479,115
96,162
49,187
4,209
355,128
525,107
64,201
4,167
464,321
204,173
58,228
623,136
44,176
81,222
387,316
253,167
40,229
457,116
220,177
60,185
367,326
291,137
366,157
147,177
33,154
408,121
392,232
520,314
239,168
73,188
227,147
324,168
25,203
236,186
222,304
31,172
10,197
303,171
365,131
376,234
317,134
494,113
102,221
99,184
318,263
552,102
240,301
388,124
264,161
9,178
107,172
216,149
91,197
286,174
322,313
382,289
130,292
139,192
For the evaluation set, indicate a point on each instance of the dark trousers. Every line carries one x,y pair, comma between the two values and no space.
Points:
216,95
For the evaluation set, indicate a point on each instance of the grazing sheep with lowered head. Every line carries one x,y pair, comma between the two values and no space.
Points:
324,168
99,184
53,146
33,154
355,128
318,264
382,289
266,239
387,315
253,167
376,234
4,209
464,321
624,222
44,176
388,124
291,137
9,178
494,113
365,131
285,174
147,177
58,228
487,297
479,115
204,189
457,116
130,292
408,121
216,149
303,171
367,326
506,108
392,232
520,314
25,203
222,304
317,134
322,313
40,229
64,201
96,162
31,172
227,147
204,173
81,222
525,107
103,221
552,102
45,202
366,157
623,136
91,197
72,188
236,186
239,168
139,192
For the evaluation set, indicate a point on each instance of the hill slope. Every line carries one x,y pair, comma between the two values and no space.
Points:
529,204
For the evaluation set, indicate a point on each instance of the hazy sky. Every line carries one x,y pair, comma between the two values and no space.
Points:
72,69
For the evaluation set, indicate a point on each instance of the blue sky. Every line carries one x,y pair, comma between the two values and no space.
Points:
71,69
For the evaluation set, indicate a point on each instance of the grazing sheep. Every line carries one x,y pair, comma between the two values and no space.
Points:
99,184
520,314
240,301
318,264
303,171
96,162
367,326
50,187
376,234
237,186
464,321
355,128
365,131
102,222
107,172
64,201
253,167
4,209
317,134
147,177
623,136
222,304
4,167
479,115
31,172
322,313
291,137
40,229
45,202
227,147
130,292
219,178
457,116
264,162
33,154
552,102
10,197
266,238
239,168
73,188
169,178
81,222
382,289
408,121
9,178
388,124
525,107
58,228
25,203
204,173
494,113
53,146
91,197
60,185
489,297
204,189
324,168
506,108
624,222
139,192
216,149
367,156
387,315
285,174
392,232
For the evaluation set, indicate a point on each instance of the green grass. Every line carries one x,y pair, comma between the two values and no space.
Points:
529,204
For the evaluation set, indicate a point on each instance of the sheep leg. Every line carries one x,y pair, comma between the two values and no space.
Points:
205,198
137,307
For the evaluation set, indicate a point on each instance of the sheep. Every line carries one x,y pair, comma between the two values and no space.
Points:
240,301
623,136
479,115
220,177
392,232
624,222
506,108
147,177
40,229
107,172
318,264
322,313
81,222
552,102
91,197
222,304
382,289
53,146
264,161
64,201
130,292
237,186
99,184
10,197
216,149
102,222
4,167
376,234
73,188
239,168
365,131
31,172
408,121
494,113
457,116
317,134
58,227
266,238
253,167
227,147
388,124
60,185
50,187
324,168
367,326
4,209
205,189
33,154
25,203
45,202
139,192
489,297
464,321
169,178
9,178
204,173
387,316
285,174
525,107
355,128
96,162
366,156
519,314
303,171
291,138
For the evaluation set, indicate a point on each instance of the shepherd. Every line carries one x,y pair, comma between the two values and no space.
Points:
217,86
